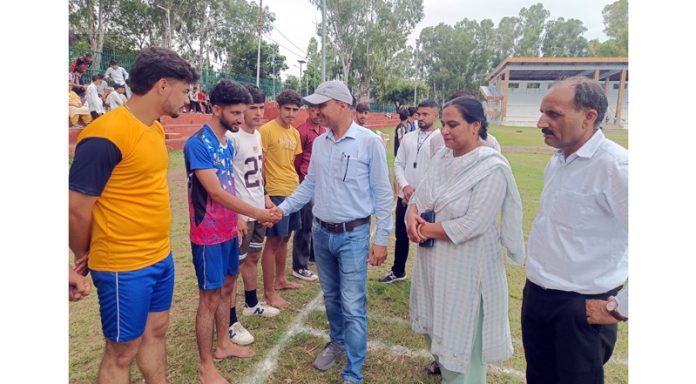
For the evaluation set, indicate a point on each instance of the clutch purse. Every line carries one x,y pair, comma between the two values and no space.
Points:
428,216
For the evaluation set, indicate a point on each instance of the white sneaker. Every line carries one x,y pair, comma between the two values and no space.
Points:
239,335
260,309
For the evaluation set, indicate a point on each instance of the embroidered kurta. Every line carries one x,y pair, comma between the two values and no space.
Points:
449,279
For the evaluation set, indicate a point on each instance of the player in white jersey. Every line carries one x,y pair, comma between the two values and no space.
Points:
248,182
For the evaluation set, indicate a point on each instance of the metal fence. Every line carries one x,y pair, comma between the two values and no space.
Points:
208,76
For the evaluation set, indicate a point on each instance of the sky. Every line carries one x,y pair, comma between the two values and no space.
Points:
296,20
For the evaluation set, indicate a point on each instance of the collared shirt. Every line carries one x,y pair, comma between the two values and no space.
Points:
348,179
307,136
93,101
413,158
118,75
579,239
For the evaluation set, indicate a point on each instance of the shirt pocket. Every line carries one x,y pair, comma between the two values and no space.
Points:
348,167
574,209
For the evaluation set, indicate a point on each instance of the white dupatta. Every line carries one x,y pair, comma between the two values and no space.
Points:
462,174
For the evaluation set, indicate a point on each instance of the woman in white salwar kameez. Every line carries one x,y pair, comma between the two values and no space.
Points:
459,294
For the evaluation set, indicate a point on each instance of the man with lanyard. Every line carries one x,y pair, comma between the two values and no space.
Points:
410,166
348,178
213,207
302,250
578,244
120,217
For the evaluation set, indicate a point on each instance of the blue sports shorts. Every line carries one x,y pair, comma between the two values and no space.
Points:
287,224
213,263
126,298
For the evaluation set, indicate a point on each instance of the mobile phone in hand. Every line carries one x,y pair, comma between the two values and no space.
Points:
428,216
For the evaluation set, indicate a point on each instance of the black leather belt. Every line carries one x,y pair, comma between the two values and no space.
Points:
348,226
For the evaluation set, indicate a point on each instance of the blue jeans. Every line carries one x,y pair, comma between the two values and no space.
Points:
341,260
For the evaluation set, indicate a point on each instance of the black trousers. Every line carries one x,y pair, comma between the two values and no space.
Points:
401,245
302,249
559,345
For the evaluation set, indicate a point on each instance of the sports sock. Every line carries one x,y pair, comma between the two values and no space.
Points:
233,315
250,298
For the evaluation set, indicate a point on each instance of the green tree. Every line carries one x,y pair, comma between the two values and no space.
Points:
401,92
616,27
563,38
532,21
292,82
367,33
507,35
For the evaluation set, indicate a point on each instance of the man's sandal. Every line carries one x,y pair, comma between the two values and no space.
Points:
433,368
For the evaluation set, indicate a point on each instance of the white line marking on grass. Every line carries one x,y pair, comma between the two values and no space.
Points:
264,368
400,350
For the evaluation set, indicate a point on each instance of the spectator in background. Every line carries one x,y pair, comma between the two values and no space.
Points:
76,78
362,110
302,250
412,119
117,97
82,63
117,75
193,101
76,109
401,129
203,103
94,100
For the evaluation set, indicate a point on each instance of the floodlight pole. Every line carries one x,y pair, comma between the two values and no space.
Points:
300,82
258,51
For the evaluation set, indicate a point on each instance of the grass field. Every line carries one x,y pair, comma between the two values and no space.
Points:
396,354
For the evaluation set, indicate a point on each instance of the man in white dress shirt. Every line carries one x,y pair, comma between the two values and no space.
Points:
578,244
410,166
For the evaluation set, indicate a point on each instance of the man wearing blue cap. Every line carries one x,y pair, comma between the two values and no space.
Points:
348,179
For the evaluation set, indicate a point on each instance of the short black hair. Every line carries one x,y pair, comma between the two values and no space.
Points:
412,111
362,107
288,96
155,63
97,76
472,111
117,86
403,114
229,92
88,55
257,95
112,62
428,103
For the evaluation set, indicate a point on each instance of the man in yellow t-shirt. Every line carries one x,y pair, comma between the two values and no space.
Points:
119,216
280,142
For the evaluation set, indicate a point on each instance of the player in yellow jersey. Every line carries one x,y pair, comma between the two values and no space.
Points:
119,216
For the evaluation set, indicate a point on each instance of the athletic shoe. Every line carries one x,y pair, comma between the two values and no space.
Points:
260,309
391,277
239,335
328,357
304,274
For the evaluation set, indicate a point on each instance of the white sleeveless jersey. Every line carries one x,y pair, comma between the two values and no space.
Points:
247,163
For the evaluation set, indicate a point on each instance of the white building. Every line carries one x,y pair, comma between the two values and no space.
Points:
515,88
